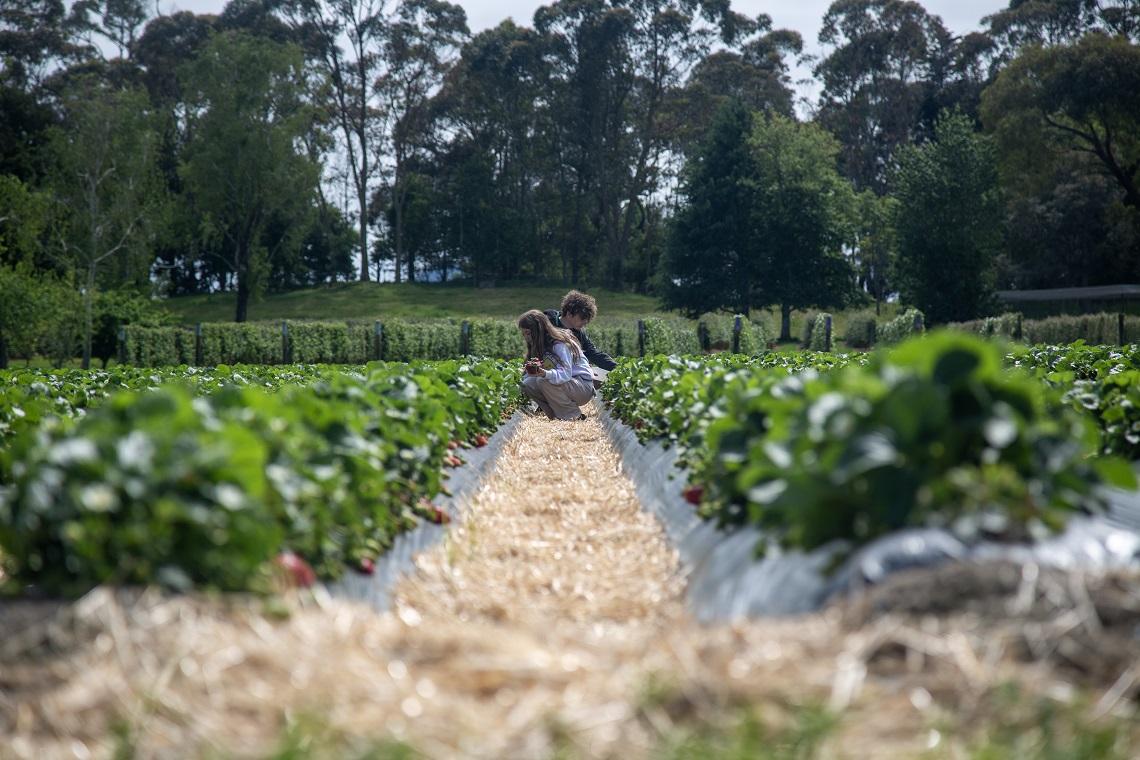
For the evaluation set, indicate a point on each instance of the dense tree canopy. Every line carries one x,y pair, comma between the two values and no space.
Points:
948,221
621,142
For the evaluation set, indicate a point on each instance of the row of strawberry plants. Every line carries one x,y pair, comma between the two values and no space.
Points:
935,432
1075,361
186,488
27,396
1101,381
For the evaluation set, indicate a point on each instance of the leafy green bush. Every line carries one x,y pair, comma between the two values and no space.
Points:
150,487
406,341
909,323
241,343
1002,326
614,337
200,487
935,432
670,336
809,329
329,343
1113,401
860,332
1098,329
1060,365
821,333
499,338
158,346
115,309
718,329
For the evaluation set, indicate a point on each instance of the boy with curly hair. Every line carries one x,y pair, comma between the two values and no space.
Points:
577,311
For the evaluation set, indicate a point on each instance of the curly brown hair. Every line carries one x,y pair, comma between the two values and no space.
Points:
576,302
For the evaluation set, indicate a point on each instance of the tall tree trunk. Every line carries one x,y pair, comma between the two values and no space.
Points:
88,307
362,197
785,322
242,293
398,255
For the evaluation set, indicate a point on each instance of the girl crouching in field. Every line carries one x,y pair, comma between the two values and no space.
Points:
561,391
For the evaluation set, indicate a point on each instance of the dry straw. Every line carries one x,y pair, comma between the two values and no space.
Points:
550,619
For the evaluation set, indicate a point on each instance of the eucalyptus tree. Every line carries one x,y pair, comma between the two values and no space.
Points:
756,75
712,260
883,59
1079,98
1024,23
243,168
803,218
418,46
346,37
118,22
948,221
106,189
497,163
34,38
614,65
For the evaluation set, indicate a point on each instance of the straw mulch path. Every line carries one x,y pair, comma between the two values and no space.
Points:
550,621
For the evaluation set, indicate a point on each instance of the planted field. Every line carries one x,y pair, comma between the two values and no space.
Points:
199,478
553,621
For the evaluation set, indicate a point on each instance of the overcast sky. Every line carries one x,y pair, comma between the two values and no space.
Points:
804,16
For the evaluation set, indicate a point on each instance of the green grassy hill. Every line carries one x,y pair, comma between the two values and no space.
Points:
364,300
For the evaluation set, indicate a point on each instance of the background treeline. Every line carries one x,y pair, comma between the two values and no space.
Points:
642,146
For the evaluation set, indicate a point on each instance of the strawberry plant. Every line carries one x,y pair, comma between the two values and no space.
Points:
203,478
936,432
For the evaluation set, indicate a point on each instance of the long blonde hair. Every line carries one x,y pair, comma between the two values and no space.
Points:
543,335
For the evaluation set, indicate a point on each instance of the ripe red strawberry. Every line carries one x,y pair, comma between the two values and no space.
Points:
367,566
452,461
480,440
693,494
297,570
440,516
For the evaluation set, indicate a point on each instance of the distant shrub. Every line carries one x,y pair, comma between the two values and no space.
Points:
614,337
158,346
1094,329
499,338
717,329
670,336
901,327
820,338
324,343
406,341
241,343
809,328
1004,326
860,331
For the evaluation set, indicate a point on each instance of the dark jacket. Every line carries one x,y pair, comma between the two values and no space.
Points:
595,357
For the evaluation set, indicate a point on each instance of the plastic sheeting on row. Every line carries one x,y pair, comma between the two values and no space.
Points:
462,482
726,580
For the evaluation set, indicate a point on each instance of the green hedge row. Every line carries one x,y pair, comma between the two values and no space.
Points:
717,333
1097,329
819,337
910,322
1094,329
408,340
